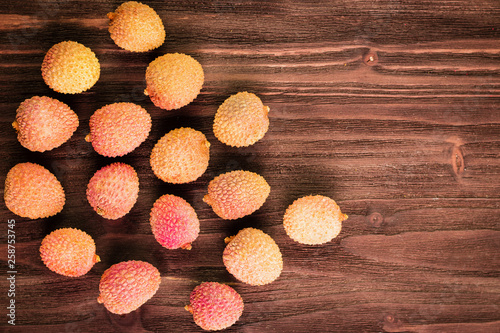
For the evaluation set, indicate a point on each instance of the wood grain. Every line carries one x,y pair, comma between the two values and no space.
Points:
407,143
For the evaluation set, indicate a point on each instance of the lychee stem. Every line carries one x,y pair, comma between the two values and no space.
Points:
189,308
87,138
15,124
186,246
111,16
344,217
97,259
228,239
100,300
206,199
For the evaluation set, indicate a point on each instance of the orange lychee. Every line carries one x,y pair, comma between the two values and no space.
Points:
215,306
44,123
235,194
113,190
69,252
126,286
180,156
33,191
119,128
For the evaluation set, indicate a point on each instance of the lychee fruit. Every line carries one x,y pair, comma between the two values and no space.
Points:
70,68
313,219
136,27
215,306
173,80
174,222
32,191
44,123
69,252
241,120
126,286
253,257
235,194
180,156
117,129
113,190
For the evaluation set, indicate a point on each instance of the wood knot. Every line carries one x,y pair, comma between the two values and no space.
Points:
389,319
375,219
457,161
392,324
370,58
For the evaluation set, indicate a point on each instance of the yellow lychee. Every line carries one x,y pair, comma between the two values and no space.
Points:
136,27
70,68
313,219
241,120
253,257
173,80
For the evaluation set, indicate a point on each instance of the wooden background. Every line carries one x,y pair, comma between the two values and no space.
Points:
408,144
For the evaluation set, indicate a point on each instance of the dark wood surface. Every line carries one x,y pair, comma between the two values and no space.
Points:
389,107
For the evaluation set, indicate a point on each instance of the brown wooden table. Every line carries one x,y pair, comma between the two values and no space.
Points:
389,107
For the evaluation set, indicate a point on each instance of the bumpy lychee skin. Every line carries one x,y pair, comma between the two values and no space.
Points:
126,286
70,68
174,222
113,190
215,306
136,27
313,219
241,120
180,156
69,252
173,80
236,194
253,257
44,123
117,129
32,191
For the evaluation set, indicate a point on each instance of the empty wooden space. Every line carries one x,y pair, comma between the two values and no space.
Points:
391,108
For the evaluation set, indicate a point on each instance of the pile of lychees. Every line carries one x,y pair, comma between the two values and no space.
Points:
180,156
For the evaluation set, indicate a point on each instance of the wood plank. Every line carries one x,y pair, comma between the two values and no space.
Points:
407,143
